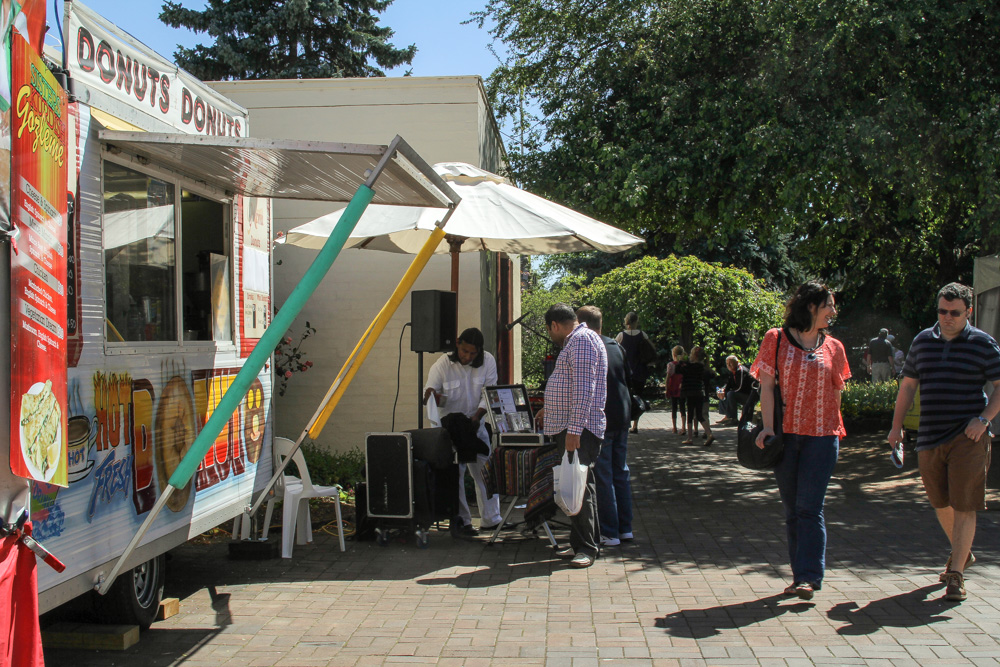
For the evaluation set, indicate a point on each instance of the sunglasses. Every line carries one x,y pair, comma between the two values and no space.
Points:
953,313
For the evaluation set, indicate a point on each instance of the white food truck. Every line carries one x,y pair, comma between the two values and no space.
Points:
167,290
134,312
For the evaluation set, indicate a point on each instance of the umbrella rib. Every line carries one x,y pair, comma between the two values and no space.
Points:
583,240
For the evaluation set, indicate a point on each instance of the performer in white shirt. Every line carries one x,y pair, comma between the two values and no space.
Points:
456,380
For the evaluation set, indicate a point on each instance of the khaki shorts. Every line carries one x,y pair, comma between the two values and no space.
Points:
954,474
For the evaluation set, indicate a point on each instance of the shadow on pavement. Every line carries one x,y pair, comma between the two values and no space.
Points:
906,610
158,648
499,574
703,623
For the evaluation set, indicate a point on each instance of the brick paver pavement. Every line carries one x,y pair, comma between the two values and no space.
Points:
699,586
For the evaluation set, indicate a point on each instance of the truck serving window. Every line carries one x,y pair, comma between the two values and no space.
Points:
166,260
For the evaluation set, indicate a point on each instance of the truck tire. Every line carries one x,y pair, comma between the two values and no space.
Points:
134,598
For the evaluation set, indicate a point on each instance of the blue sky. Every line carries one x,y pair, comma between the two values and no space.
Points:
445,47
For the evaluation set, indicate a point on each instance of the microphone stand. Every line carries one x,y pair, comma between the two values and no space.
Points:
518,322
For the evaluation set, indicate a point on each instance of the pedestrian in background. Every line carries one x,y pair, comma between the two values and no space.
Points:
736,391
811,370
640,355
880,357
614,484
694,372
673,382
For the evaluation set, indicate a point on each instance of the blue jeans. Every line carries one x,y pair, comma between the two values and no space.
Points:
614,485
802,476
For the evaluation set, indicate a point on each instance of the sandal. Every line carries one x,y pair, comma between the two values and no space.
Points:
805,590
687,442
708,443
675,430
790,590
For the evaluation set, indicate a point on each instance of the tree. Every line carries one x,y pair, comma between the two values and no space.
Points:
864,133
687,301
772,262
536,297
293,39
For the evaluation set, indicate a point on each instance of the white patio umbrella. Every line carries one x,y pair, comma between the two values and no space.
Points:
493,215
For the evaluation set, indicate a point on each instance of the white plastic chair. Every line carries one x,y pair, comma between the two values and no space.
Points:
295,494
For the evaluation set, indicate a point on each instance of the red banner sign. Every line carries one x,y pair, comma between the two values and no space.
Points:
38,424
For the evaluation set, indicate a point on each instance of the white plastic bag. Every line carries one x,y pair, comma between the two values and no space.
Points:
433,412
569,480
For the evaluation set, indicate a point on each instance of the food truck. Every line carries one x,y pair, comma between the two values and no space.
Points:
137,291
139,276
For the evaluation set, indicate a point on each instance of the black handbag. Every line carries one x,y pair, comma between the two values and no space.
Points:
639,406
749,454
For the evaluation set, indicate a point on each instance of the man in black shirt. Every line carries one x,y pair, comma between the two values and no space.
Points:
614,485
880,357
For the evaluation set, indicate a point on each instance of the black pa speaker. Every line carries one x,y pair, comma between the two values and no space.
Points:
434,320
388,471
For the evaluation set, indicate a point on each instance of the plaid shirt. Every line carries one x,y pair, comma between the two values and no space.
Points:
578,387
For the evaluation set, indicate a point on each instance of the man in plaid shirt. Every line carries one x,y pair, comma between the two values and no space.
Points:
574,414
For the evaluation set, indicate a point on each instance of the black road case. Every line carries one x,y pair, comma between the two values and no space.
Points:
411,482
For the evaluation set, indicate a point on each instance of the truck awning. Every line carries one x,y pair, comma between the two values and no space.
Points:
287,169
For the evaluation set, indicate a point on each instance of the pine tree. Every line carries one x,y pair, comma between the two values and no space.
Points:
293,39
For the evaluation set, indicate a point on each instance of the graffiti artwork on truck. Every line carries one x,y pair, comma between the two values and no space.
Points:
139,435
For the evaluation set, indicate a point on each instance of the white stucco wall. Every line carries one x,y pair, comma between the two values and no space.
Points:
443,119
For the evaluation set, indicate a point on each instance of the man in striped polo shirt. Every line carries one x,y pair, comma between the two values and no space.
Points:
951,362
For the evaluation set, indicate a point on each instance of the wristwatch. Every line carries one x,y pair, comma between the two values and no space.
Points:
985,421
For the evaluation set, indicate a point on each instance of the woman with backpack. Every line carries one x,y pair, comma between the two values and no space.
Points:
640,355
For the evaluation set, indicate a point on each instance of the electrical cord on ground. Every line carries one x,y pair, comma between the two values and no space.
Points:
399,368
349,529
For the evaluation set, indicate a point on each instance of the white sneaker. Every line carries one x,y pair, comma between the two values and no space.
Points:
610,541
626,537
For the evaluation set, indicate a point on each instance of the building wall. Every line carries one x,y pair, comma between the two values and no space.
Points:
443,119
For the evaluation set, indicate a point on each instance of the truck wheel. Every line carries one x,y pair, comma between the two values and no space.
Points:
134,598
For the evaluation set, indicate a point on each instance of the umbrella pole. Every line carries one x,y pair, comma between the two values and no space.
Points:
455,246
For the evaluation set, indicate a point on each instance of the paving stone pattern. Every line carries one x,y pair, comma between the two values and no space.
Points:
700,585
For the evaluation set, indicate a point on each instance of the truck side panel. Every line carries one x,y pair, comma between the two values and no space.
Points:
133,414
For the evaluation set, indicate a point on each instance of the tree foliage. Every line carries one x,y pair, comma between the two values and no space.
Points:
287,39
863,133
536,297
685,300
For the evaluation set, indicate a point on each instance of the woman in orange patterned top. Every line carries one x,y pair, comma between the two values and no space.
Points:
811,370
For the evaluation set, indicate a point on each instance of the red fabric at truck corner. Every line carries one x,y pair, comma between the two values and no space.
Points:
20,634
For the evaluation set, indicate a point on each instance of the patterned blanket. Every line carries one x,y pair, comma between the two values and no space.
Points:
527,472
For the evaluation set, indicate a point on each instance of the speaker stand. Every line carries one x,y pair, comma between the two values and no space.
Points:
420,389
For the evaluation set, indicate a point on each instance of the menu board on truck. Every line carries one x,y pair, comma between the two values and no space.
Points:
38,422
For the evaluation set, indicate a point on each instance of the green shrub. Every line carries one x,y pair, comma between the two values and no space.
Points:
868,399
327,468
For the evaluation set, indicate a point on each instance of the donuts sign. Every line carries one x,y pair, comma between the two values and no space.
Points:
115,64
